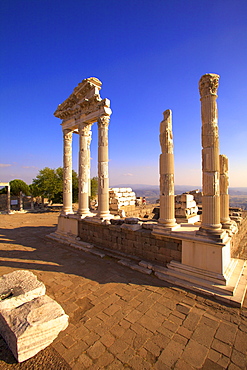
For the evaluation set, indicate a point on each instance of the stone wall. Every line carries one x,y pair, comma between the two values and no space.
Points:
3,202
237,248
140,243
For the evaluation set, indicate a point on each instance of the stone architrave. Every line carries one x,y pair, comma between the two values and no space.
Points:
224,196
167,197
210,224
84,168
103,177
67,172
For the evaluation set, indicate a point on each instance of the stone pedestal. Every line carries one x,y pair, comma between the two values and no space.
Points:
68,225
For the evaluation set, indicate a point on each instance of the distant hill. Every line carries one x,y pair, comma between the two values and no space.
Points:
238,191
152,192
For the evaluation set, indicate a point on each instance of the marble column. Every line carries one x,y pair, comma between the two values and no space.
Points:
8,200
103,178
224,196
210,224
167,197
89,139
67,172
84,169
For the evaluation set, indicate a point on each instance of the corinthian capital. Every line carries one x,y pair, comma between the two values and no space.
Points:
209,84
84,129
103,122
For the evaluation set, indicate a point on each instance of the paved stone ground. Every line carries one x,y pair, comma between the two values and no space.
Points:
119,318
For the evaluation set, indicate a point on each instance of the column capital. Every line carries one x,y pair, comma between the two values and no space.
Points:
84,128
103,121
67,133
208,84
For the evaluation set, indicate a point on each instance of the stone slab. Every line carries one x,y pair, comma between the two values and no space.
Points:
18,287
31,327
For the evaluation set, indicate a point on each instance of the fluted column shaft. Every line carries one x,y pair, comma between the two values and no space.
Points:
84,169
167,206
103,178
67,172
224,196
208,86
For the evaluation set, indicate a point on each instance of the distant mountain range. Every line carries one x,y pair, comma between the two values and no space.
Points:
151,192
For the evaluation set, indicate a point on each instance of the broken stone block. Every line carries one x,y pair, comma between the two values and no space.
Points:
18,287
31,327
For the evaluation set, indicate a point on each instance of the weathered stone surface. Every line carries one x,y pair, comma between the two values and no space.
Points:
31,327
18,287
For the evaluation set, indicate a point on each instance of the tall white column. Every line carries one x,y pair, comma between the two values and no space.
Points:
84,168
224,196
89,139
8,200
167,205
210,225
103,178
67,172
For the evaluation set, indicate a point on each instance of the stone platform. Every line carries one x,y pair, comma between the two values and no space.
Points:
119,317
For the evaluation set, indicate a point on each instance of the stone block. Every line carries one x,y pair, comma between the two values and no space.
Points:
187,197
31,327
18,287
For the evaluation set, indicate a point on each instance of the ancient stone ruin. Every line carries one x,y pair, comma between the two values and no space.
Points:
29,319
7,185
121,198
198,255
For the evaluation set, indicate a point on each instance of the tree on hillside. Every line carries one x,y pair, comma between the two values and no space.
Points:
48,183
18,188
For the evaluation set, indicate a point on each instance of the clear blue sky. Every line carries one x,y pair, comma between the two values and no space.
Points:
149,55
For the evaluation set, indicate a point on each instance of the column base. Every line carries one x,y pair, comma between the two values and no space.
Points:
217,235
85,214
229,288
104,216
163,229
67,212
230,227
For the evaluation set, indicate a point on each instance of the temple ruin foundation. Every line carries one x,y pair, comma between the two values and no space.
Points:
197,256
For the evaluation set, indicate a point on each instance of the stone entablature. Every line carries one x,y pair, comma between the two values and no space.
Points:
83,105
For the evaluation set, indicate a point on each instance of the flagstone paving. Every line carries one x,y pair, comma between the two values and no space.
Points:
120,318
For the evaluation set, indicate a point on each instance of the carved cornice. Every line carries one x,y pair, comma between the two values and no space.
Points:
209,84
85,100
